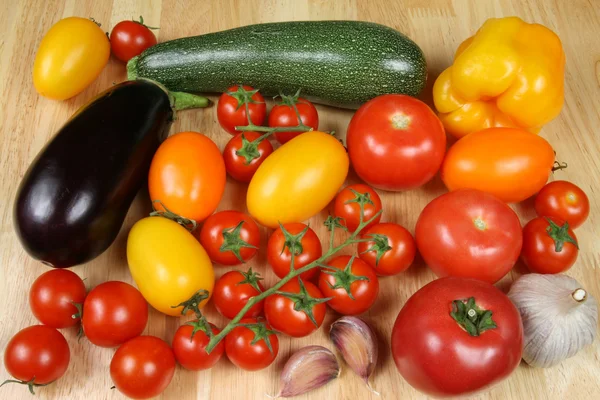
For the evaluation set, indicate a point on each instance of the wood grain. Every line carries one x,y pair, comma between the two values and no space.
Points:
28,121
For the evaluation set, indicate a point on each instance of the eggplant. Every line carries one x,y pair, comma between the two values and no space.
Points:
73,199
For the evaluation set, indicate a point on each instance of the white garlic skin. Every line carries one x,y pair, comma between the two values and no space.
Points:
556,325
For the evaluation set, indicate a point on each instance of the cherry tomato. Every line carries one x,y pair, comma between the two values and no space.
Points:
231,109
297,316
233,290
189,347
130,38
549,246
142,367
391,249
253,346
243,156
53,296
347,205
563,200
113,313
395,142
284,115
352,285
37,355
297,238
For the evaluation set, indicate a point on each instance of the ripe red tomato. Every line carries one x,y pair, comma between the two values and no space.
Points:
352,286
233,290
549,246
189,347
440,356
563,200
53,296
231,109
130,38
253,346
347,205
391,249
243,155
469,233
230,237
142,367
113,313
297,238
284,115
396,142
299,316
37,355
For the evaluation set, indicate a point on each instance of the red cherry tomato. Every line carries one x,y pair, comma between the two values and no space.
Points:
130,38
143,367
284,115
231,109
243,156
53,296
233,290
391,249
252,347
300,239
189,347
549,246
563,200
347,205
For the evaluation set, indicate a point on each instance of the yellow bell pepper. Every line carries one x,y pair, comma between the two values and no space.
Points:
510,74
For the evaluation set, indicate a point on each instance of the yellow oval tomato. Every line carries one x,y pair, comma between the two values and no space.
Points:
298,180
168,264
71,55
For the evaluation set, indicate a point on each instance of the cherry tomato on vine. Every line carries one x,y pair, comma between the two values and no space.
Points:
549,246
391,249
283,115
189,346
298,238
233,290
53,296
563,200
130,38
243,156
253,346
347,205
231,109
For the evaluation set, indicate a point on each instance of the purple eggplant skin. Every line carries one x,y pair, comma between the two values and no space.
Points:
73,199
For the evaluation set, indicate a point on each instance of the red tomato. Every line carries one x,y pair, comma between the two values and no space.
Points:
113,313
298,238
142,367
391,249
233,290
434,352
563,200
549,246
189,347
352,286
230,237
243,155
296,317
37,355
284,115
253,346
396,142
130,38
231,109
347,205
469,233
53,296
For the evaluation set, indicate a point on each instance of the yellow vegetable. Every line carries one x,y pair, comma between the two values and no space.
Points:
167,263
298,180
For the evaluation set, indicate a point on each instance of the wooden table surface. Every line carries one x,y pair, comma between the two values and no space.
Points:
28,121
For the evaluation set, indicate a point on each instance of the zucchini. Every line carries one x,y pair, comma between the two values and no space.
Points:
340,63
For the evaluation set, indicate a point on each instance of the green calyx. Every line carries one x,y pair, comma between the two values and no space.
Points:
344,277
251,278
187,223
360,198
303,301
243,97
381,245
141,22
193,303
200,325
471,318
288,100
260,333
29,384
232,241
334,222
560,235
292,242
78,316
249,149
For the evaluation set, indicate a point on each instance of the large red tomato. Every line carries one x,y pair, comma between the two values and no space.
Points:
396,142
456,336
469,233
549,246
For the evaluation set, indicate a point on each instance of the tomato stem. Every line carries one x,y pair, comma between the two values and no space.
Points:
188,224
471,318
29,384
303,301
560,235
344,278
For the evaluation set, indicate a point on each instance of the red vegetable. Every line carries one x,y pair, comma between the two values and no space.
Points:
231,111
391,249
243,156
347,205
549,246
130,38
253,346
233,290
563,200
295,238
284,115
189,346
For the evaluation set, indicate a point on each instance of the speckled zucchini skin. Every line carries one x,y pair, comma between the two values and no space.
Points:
340,63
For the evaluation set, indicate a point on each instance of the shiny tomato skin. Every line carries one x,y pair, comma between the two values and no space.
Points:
236,165
395,142
469,233
190,351
283,115
230,116
53,295
113,313
346,208
395,260
280,261
129,39
563,200
230,295
437,356
143,367
245,355
539,253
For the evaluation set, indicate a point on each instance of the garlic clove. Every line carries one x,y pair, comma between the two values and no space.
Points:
309,368
357,344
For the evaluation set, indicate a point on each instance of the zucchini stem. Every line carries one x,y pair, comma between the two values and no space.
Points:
184,100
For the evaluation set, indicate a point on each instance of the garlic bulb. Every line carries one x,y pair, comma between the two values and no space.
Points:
559,317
